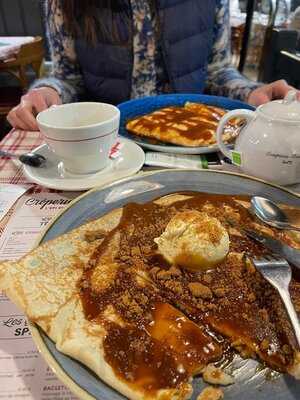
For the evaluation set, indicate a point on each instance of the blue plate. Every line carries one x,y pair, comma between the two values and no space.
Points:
133,108
251,382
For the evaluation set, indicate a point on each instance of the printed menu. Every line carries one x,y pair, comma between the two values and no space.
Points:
23,372
9,194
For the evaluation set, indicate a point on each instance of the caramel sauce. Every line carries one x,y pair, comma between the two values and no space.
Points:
145,362
185,122
194,348
164,354
180,116
158,346
293,215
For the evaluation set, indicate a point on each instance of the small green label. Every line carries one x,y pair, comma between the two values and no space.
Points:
204,162
236,158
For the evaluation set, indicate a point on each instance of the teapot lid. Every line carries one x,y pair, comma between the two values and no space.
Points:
287,109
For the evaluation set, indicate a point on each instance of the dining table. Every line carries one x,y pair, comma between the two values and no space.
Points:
25,210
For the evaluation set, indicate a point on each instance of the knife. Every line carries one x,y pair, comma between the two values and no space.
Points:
289,253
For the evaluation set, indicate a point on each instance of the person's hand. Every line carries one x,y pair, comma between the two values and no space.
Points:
36,100
272,91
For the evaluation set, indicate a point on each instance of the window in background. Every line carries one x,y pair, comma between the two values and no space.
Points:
273,42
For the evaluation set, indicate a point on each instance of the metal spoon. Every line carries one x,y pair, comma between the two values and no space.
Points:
268,212
32,159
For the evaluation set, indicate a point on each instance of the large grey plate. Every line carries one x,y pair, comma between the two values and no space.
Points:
250,380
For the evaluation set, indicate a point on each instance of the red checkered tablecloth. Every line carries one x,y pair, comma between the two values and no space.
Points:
11,171
17,142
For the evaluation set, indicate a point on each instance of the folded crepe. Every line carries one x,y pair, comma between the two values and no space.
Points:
192,125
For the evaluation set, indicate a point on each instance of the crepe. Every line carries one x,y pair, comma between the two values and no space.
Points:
106,298
44,284
192,125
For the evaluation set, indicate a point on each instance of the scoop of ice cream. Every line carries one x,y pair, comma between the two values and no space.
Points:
194,240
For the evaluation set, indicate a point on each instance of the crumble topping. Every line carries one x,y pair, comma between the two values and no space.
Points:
216,376
211,393
199,290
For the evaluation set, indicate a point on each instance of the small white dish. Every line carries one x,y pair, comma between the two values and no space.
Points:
53,175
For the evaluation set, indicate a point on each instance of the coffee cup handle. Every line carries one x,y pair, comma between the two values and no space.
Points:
248,115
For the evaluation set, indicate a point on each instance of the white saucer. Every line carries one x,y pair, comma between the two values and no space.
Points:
53,175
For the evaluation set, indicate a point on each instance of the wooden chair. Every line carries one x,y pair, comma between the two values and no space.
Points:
237,33
29,55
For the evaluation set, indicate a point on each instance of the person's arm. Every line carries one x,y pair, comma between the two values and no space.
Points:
65,84
223,79
66,77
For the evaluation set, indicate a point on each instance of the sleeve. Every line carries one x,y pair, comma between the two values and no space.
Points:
223,79
65,77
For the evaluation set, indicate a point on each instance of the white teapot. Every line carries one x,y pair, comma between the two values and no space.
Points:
268,146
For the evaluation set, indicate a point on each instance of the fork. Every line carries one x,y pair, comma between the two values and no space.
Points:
277,271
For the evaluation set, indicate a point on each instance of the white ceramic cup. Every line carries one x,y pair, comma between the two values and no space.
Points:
81,134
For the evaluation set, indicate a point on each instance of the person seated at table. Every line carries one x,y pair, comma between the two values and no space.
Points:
115,50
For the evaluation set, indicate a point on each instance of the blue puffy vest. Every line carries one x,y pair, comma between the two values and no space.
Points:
186,40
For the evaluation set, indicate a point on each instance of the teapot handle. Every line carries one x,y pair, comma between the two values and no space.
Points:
248,115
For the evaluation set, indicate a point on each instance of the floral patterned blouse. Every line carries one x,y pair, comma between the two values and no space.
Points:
148,74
